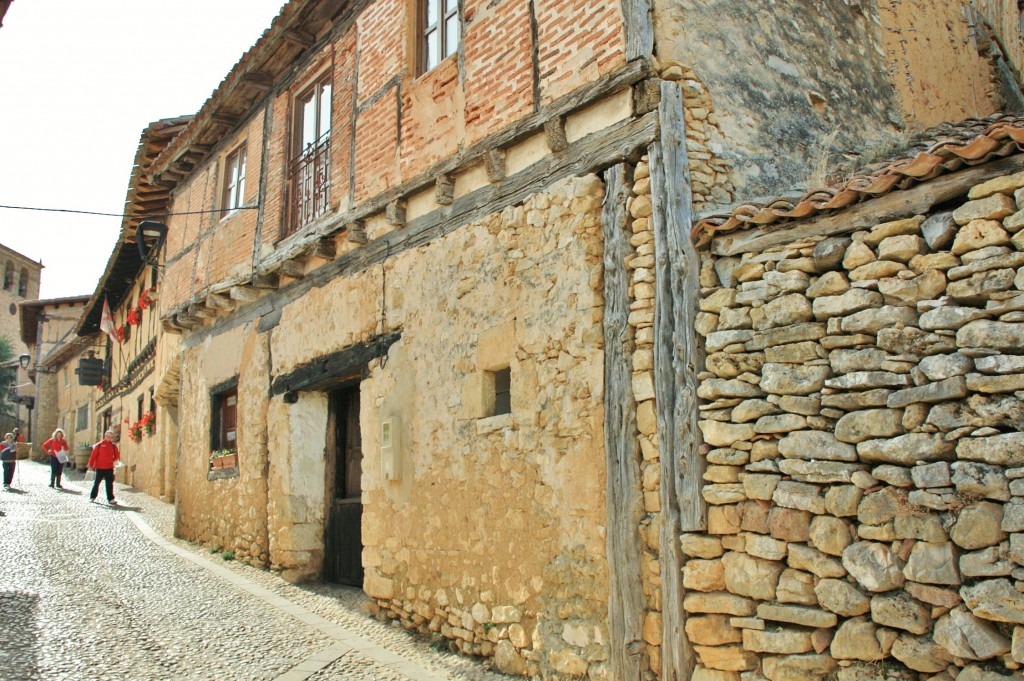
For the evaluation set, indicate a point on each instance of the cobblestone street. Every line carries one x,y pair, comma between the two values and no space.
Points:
97,592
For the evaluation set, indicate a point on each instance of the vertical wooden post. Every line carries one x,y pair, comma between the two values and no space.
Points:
675,375
624,497
637,18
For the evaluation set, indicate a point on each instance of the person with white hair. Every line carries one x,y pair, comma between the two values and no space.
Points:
104,455
57,447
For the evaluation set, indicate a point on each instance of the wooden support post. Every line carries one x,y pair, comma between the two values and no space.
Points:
444,189
494,164
170,326
554,134
623,494
268,280
186,320
675,372
244,294
395,212
356,232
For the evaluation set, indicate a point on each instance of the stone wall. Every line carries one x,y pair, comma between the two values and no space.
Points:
862,405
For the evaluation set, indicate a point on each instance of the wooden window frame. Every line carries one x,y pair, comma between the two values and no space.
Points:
224,418
446,13
232,195
309,164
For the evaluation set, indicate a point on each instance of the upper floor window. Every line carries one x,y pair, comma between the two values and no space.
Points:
310,167
9,276
233,192
23,283
440,27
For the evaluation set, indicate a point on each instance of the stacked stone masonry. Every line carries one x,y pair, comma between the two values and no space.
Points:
862,405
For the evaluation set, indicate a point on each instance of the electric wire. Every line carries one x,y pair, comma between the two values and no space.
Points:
123,215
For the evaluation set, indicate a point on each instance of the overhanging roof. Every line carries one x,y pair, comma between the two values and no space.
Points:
32,309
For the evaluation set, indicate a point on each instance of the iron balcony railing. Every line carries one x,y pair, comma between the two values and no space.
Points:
310,174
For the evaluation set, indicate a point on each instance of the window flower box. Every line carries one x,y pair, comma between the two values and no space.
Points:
224,458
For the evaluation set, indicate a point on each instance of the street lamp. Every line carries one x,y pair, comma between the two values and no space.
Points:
23,360
149,236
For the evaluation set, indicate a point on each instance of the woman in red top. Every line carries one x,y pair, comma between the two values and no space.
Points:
104,455
57,448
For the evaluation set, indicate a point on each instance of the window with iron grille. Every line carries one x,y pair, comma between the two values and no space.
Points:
440,31
310,167
233,192
82,420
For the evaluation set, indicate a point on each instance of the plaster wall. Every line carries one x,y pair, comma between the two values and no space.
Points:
834,77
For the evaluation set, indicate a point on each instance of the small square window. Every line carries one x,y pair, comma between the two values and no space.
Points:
502,391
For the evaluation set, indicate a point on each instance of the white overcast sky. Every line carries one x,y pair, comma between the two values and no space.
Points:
79,80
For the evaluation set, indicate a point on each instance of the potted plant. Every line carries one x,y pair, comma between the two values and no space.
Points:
223,458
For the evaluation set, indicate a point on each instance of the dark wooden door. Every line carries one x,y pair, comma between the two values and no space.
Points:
344,546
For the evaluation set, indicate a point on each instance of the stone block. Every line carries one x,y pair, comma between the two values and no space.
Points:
798,667
816,444
868,424
806,558
975,479
921,653
873,320
711,630
752,577
778,640
978,526
795,614
841,597
995,599
899,611
796,586
931,563
831,535
788,379
857,639
704,575
719,602
726,658
801,496
949,389
874,565
906,450
966,636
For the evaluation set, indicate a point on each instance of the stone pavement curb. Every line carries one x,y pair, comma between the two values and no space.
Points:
347,641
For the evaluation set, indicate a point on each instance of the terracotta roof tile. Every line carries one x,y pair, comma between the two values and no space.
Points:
941,150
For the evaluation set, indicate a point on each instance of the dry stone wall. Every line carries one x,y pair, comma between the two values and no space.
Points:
862,404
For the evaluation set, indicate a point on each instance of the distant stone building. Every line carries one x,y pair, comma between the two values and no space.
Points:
21,277
429,308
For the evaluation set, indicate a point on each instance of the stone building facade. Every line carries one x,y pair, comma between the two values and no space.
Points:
429,319
21,276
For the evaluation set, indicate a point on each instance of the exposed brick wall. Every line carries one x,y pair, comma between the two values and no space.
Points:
382,52
376,148
432,121
341,124
579,41
499,66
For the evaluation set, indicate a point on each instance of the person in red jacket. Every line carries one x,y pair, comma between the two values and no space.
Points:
57,448
104,455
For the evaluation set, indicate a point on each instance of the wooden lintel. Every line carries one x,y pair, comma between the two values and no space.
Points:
267,280
554,134
298,37
329,369
646,95
444,189
356,232
293,267
244,294
395,212
219,301
494,164
324,248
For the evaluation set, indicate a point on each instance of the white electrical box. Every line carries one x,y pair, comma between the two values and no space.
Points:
390,448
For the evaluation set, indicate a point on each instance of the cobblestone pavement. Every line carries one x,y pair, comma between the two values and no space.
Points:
89,591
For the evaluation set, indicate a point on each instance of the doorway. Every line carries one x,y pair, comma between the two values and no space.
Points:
343,545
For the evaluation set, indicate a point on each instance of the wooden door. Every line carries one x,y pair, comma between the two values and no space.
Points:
344,546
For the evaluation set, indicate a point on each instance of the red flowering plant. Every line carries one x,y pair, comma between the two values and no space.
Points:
146,298
120,333
134,316
148,422
135,432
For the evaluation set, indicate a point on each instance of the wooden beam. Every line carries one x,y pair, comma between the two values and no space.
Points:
494,164
244,294
623,489
356,232
892,206
327,370
646,96
186,320
637,18
219,301
170,325
224,118
267,280
293,267
324,248
444,189
201,311
395,212
554,134
258,81
298,37
677,291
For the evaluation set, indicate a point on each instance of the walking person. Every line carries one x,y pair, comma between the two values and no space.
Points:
9,457
104,455
57,448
